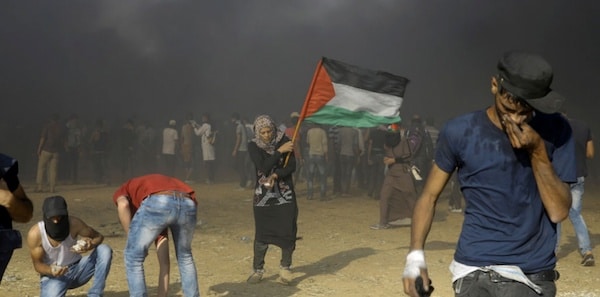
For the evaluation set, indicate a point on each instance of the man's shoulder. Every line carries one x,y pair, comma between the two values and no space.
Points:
34,235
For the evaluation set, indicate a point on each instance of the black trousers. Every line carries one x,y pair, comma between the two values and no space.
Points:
260,251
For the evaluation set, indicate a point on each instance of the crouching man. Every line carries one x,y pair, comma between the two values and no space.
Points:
57,244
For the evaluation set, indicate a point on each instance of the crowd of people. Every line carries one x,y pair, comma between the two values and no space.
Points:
521,151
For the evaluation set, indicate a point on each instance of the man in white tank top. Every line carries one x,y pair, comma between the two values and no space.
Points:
57,245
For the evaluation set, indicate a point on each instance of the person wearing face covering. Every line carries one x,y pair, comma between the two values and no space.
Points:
66,252
274,204
14,206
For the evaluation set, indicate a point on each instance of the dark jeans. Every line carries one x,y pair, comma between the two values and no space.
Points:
489,283
4,259
376,174
169,164
241,166
210,170
72,164
334,170
316,168
99,166
260,250
347,165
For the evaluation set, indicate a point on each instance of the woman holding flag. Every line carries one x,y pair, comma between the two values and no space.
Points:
274,203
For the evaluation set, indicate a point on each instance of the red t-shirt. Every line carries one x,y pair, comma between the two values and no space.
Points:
138,188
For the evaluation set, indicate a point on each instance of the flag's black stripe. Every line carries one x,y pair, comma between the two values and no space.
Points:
371,80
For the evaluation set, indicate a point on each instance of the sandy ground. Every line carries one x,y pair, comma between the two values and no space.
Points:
338,256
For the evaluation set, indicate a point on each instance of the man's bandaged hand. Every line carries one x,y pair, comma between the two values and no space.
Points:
415,261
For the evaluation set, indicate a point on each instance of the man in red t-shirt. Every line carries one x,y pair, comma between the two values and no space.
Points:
147,206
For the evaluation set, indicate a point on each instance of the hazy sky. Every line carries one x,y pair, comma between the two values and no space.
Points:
161,59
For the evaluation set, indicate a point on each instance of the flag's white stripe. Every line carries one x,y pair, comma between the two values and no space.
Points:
355,99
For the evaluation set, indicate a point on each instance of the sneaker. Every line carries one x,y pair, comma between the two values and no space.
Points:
588,259
456,210
256,276
401,222
285,275
379,227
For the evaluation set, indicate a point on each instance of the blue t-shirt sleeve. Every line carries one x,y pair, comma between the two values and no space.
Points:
444,155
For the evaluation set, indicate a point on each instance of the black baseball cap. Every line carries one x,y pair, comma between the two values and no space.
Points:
528,76
54,206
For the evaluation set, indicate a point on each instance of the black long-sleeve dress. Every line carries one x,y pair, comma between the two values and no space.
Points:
275,209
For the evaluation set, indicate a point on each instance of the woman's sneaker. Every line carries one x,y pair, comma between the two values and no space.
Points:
588,259
256,276
285,275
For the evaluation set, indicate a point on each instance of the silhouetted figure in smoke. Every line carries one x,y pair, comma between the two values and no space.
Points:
208,137
239,153
127,150
73,148
99,145
170,138
187,147
48,151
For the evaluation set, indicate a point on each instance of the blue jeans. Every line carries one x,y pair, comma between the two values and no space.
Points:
316,164
581,230
96,264
156,213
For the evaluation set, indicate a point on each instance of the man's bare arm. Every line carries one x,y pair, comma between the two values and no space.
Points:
425,207
124,213
17,203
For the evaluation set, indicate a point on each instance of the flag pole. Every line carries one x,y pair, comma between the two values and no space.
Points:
304,107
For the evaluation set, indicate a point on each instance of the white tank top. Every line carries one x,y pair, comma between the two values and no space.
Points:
61,254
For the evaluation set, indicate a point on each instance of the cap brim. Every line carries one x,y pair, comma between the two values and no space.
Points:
551,103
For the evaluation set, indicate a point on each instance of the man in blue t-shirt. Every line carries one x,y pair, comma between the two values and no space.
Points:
514,162
14,206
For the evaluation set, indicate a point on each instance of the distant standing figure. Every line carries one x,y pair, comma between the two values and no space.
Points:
398,193
207,139
187,147
240,150
169,147
274,204
51,142
148,205
349,156
98,150
316,139
73,148
127,149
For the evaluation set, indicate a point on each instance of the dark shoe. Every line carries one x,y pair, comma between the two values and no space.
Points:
379,227
588,259
256,276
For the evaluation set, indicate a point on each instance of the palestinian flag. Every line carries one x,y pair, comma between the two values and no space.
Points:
346,95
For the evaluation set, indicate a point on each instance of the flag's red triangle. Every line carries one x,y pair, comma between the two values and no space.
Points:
321,93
